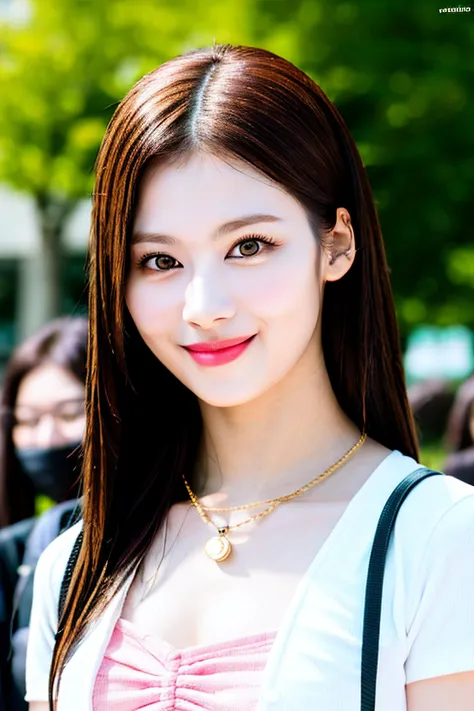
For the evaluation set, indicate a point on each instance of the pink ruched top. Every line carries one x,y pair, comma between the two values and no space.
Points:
141,672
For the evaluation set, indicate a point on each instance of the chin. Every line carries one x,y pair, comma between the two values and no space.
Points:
228,395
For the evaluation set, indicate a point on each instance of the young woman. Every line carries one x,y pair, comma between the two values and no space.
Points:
247,421
41,426
42,418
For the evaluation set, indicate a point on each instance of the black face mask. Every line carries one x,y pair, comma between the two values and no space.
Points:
53,471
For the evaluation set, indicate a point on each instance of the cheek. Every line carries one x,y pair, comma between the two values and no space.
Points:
74,431
19,438
282,289
152,308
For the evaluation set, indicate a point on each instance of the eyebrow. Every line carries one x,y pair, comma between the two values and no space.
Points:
221,231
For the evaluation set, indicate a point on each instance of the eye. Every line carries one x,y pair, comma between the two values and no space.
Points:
70,410
25,421
157,262
249,247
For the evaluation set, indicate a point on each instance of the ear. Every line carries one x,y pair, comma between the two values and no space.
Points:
338,251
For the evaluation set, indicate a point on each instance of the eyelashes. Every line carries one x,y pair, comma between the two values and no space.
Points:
269,243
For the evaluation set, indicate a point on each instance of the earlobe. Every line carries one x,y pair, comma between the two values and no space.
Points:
346,253
339,263
340,247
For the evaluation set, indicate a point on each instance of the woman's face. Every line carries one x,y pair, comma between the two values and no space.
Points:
190,280
49,409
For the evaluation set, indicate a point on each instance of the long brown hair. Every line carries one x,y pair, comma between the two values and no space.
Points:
64,343
144,426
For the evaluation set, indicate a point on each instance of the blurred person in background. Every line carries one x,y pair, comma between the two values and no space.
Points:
41,429
42,418
431,402
460,434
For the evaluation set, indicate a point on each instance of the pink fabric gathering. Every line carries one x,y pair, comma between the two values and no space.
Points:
146,674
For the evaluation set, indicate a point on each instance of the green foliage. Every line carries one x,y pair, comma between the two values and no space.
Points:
433,456
42,504
63,72
400,73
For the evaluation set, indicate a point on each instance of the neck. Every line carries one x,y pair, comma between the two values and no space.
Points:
276,443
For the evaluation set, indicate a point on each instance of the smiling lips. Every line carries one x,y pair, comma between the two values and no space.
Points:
218,352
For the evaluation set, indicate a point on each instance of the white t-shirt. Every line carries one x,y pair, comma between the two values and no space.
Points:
427,619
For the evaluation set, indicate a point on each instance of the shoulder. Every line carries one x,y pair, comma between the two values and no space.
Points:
452,525
427,502
434,493
435,523
53,516
434,497
47,528
433,500
53,560
17,533
12,550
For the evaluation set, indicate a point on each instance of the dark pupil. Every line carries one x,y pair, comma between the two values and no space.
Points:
250,244
168,262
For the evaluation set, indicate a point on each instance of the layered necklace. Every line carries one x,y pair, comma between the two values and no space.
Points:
219,548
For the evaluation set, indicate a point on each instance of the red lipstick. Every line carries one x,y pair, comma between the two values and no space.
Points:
218,352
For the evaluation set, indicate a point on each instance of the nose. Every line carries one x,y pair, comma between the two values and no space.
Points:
206,302
47,433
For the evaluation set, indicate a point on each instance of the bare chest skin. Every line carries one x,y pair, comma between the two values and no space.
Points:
195,601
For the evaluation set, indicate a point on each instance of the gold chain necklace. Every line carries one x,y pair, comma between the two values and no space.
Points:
219,548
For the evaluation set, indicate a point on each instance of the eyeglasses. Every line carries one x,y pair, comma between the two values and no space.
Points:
63,413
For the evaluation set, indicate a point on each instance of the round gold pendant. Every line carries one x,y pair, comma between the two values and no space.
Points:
218,548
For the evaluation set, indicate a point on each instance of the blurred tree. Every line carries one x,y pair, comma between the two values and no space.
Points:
401,75
63,69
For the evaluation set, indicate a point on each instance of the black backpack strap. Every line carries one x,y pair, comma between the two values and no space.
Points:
373,593
67,578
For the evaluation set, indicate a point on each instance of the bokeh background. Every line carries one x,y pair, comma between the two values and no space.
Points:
401,74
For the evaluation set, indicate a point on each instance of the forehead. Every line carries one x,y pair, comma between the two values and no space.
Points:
205,190
47,384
